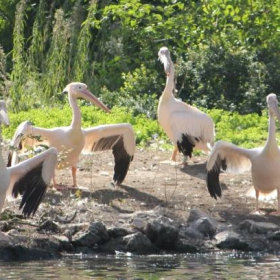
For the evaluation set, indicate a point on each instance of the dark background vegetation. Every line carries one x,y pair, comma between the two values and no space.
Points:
226,52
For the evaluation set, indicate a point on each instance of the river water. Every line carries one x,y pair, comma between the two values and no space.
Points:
194,266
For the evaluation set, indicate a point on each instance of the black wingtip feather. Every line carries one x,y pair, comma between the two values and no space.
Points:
122,162
213,184
9,162
212,178
33,189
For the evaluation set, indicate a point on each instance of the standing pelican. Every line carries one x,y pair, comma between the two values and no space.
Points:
185,125
70,141
30,177
264,162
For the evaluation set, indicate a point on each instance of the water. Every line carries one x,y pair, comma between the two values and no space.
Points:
219,266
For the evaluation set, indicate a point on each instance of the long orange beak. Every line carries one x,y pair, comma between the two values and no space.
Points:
93,99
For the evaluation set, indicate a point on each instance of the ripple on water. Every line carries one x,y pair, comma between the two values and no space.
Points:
230,265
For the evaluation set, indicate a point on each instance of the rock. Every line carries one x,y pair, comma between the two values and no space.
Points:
49,226
136,243
275,235
64,243
230,240
113,245
258,227
95,233
190,232
50,244
139,223
139,243
201,225
162,233
183,247
16,236
116,232
197,214
206,226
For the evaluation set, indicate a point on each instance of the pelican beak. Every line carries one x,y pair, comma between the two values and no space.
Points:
94,100
4,118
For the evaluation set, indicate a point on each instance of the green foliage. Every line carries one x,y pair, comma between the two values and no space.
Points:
145,129
243,130
135,93
220,78
226,51
3,78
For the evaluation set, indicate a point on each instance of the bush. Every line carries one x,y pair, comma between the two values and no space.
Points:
221,78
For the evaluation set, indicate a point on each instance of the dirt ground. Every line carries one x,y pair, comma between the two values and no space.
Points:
150,182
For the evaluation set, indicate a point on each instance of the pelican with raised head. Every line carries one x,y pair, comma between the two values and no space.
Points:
186,126
29,178
264,162
72,140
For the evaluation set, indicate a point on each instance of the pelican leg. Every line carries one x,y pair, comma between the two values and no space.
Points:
257,200
74,172
277,213
58,187
174,154
185,159
257,211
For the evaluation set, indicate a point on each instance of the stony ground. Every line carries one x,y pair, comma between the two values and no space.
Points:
151,181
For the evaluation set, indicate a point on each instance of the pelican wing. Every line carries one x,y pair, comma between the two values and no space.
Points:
227,156
26,137
116,137
192,128
30,178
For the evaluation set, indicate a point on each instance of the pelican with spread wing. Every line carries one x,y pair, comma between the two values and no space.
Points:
30,178
264,162
72,140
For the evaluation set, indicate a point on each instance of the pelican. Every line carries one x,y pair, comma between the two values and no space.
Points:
29,178
264,162
72,140
186,126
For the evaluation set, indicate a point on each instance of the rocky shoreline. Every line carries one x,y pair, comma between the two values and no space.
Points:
161,209
148,232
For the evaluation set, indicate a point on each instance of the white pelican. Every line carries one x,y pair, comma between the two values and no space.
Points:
264,162
29,178
185,125
70,141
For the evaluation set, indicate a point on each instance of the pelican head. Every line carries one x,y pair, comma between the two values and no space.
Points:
165,59
272,103
79,90
4,118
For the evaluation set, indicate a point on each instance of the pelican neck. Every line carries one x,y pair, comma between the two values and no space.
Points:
76,116
271,144
168,90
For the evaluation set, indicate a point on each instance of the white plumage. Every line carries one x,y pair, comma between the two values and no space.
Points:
264,162
186,126
29,178
71,140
